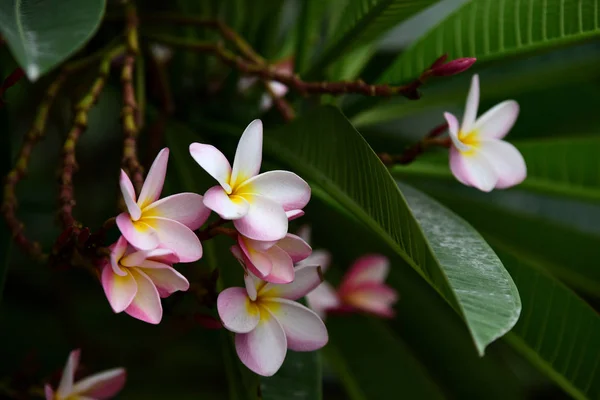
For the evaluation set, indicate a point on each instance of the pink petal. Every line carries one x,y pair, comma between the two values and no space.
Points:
228,207
187,208
136,258
371,297
369,268
283,187
319,257
453,131
471,106
146,304
255,260
506,160
303,328
166,278
176,237
294,214
117,250
213,162
498,120
138,233
253,285
266,220
129,196
323,298
283,267
278,88
48,392
119,290
103,385
305,280
263,349
155,180
65,388
473,170
295,247
237,312
248,155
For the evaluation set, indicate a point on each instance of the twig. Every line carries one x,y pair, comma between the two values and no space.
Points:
131,127
285,109
69,162
215,229
412,152
10,81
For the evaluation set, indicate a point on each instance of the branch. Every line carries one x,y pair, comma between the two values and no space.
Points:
285,109
412,152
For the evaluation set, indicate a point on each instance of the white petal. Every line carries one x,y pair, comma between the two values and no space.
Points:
319,257
284,187
129,196
155,180
238,313
228,207
322,298
453,132
506,160
103,385
213,162
497,121
248,155
265,220
306,279
187,208
295,246
65,388
471,106
473,169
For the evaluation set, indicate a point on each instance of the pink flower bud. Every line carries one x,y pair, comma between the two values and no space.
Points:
453,67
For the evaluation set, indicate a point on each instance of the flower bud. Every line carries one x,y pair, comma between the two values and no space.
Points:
453,67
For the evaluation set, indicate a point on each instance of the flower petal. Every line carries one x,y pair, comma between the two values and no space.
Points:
176,237
304,232
472,105
266,102
453,132
265,220
506,160
256,260
473,170
295,247
371,297
119,290
294,214
368,268
187,208
237,312
323,298
497,121
283,267
136,258
146,303
284,187
155,180
65,387
263,349
303,328
213,162
319,257
138,233
103,385
253,284
306,278
278,88
117,250
166,278
129,196
48,392
228,207
248,155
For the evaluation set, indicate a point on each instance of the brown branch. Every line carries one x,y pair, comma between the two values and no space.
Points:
69,162
131,126
412,152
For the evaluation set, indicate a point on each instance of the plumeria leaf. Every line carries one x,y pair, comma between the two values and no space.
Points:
396,366
324,148
40,43
492,30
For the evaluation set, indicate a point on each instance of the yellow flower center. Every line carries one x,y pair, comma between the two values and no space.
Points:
470,139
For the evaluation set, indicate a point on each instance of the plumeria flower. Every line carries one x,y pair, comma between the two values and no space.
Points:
478,156
277,88
103,385
135,280
272,261
267,321
168,223
257,203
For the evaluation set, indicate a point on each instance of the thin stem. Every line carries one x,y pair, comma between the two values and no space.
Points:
285,109
215,229
411,153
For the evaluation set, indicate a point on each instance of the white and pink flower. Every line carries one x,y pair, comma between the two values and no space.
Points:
267,320
167,223
135,280
272,261
258,204
478,156
103,385
278,89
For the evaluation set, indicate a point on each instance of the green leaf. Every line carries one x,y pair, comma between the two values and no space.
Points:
373,363
42,34
325,149
558,332
364,21
492,30
309,21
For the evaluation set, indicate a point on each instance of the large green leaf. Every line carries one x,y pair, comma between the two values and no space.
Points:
491,29
373,363
42,34
324,148
364,21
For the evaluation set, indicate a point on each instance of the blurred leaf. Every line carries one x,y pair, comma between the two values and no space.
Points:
364,21
491,30
558,332
42,34
325,149
350,65
309,21
372,362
